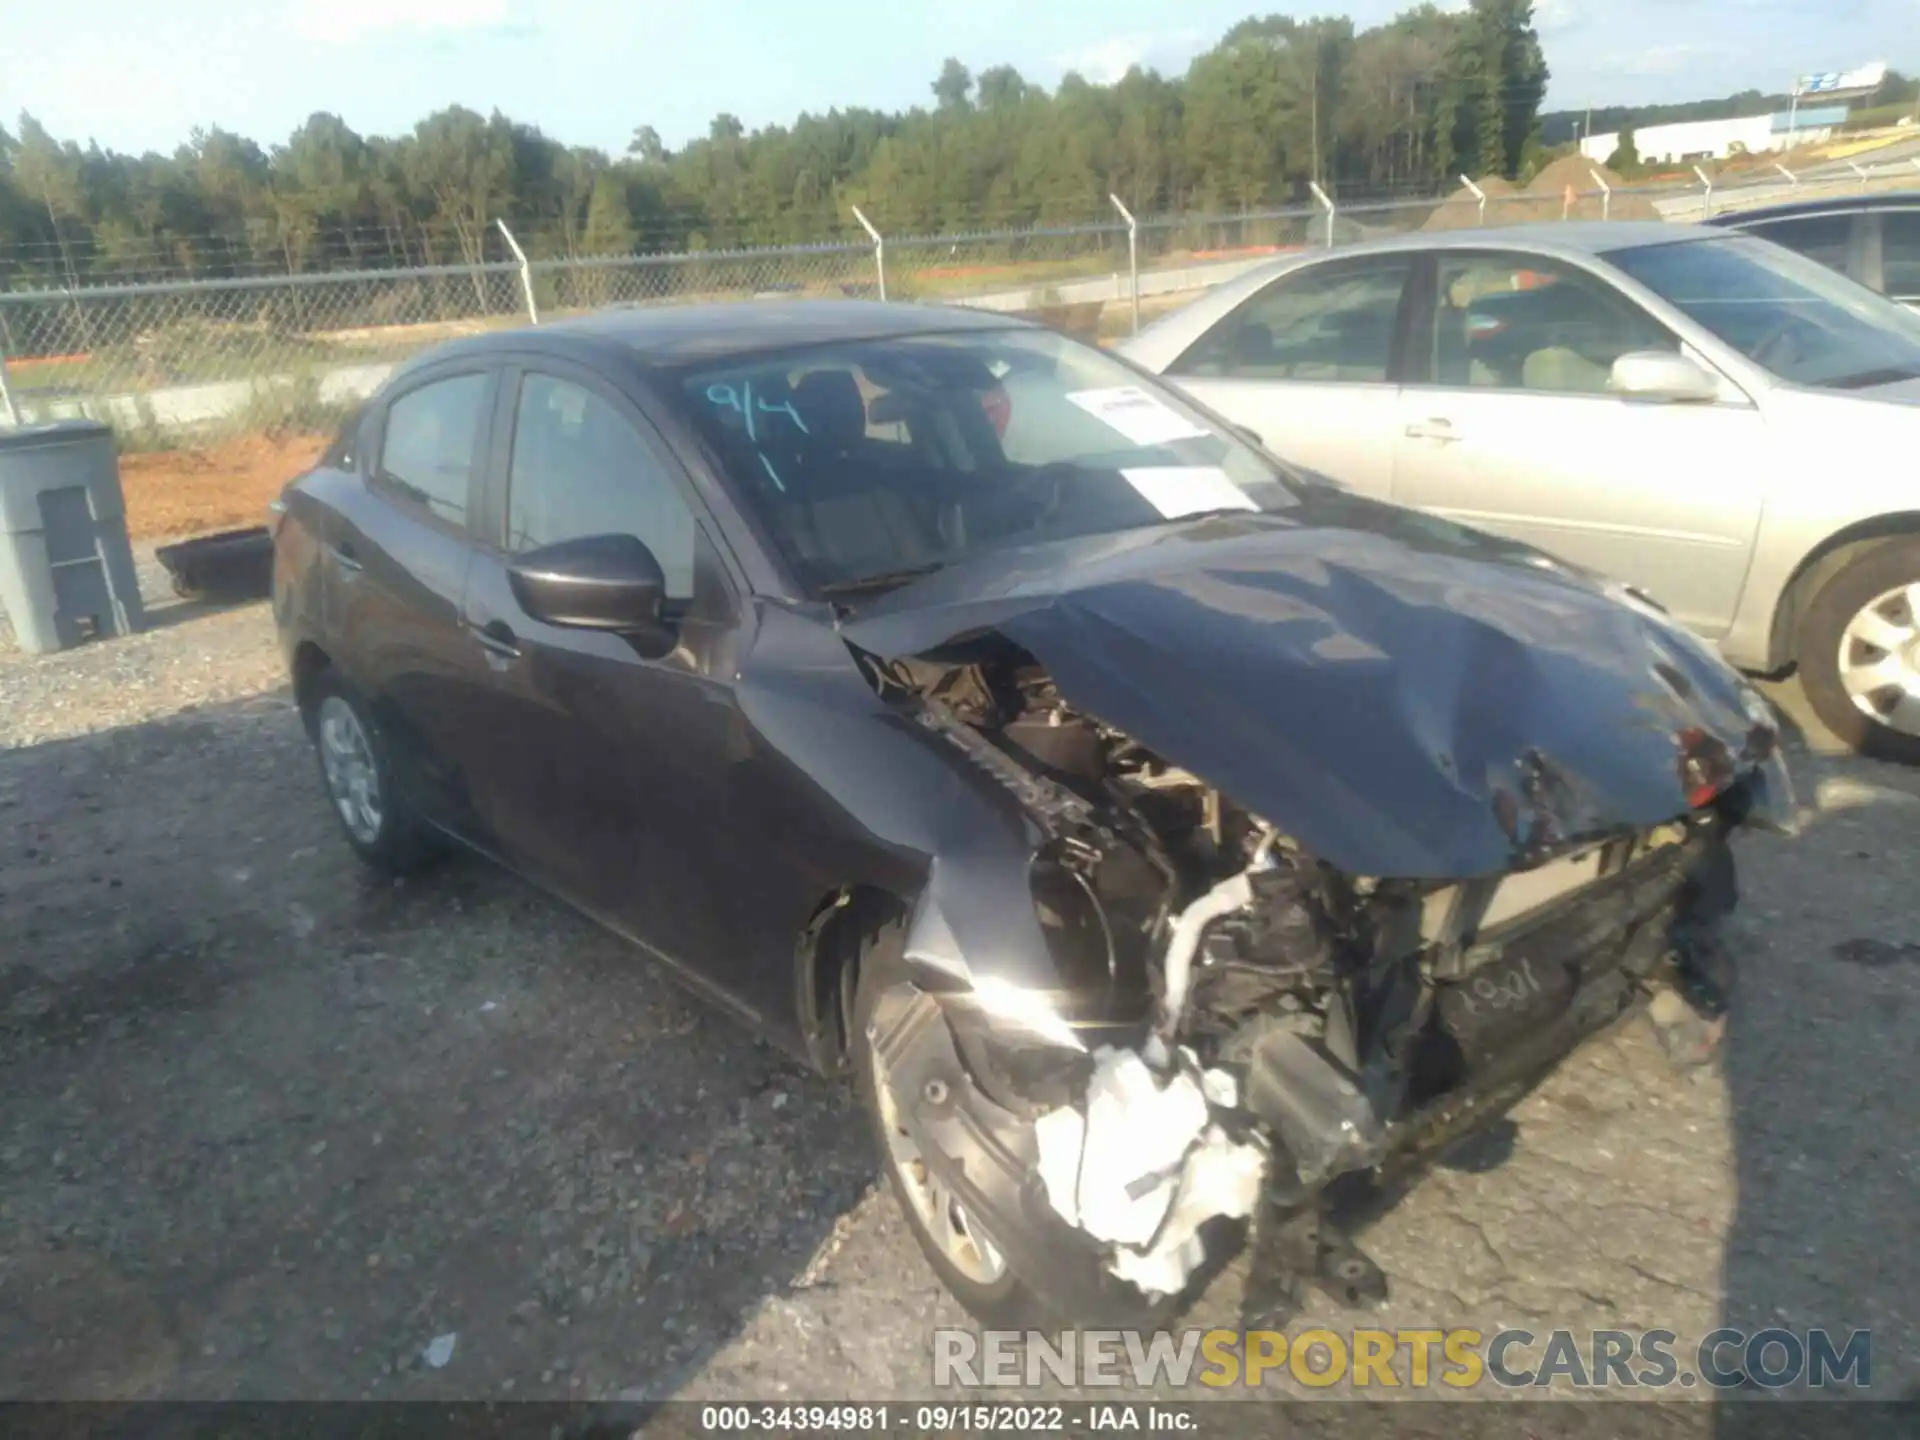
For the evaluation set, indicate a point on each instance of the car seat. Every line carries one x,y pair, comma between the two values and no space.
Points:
848,515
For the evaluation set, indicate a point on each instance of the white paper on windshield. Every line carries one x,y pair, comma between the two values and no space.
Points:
1142,418
1176,490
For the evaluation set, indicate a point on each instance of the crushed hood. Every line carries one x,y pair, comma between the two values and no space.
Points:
1402,696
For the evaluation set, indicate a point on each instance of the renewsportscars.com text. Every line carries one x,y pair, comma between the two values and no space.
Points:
1457,1359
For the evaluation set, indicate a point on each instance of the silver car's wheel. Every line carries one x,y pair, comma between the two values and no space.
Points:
945,1221
1879,661
353,778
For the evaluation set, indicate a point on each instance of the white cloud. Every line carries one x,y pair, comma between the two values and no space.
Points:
1111,59
1660,59
340,22
1551,16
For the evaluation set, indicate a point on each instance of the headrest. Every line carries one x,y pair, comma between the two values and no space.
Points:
830,403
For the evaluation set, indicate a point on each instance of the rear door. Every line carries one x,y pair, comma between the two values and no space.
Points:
1310,365
1507,424
399,550
607,769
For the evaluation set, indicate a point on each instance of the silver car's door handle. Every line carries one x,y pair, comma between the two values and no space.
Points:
1434,429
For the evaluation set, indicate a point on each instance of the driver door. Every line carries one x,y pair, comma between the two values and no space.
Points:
607,766
1507,423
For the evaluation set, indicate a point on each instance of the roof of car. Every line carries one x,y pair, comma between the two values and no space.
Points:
1587,237
1831,205
684,334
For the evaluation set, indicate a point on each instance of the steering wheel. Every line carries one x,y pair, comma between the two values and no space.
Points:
1780,346
1051,480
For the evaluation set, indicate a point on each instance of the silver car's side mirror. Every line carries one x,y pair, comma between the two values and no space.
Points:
1662,375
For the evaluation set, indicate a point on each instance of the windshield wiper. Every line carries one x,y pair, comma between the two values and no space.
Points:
882,580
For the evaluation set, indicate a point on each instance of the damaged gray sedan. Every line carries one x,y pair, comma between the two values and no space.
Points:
1166,841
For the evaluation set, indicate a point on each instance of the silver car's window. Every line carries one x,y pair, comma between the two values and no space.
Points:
870,457
1328,322
1826,238
1786,313
1521,322
1900,253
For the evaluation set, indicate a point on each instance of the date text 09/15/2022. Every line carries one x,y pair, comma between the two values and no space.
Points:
945,1419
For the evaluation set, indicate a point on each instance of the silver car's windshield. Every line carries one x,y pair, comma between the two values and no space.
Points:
1793,316
870,460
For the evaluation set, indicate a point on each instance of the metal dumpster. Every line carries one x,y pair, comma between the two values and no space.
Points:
66,568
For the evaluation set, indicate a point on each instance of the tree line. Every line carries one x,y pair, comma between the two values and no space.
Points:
1277,105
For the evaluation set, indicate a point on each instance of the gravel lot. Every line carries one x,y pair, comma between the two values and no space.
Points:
271,1128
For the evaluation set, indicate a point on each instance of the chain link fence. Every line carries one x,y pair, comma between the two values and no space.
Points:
170,363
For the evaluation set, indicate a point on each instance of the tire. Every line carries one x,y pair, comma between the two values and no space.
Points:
1079,1292
360,787
1870,585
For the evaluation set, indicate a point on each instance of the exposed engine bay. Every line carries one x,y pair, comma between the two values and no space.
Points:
1239,1024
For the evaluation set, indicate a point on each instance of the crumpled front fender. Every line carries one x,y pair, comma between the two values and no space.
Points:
975,920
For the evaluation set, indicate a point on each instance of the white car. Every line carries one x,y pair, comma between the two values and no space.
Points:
1725,426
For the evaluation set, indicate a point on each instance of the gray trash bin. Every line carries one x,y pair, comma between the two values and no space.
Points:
66,569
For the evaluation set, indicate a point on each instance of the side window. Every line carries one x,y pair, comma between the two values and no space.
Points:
1826,238
426,453
1900,253
1330,322
1522,323
579,468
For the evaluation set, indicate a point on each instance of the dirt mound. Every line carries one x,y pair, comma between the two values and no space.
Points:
1545,199
1461,209
215,487
1575,170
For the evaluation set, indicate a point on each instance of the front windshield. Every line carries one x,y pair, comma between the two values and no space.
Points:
1791,315
873,459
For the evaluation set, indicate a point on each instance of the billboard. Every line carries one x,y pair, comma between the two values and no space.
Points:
1834,84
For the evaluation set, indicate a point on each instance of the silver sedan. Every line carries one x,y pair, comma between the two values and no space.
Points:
1725,426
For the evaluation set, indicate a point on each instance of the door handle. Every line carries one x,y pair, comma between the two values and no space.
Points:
496,637
349,558
1437,428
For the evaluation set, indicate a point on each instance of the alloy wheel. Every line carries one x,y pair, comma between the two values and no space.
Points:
353,779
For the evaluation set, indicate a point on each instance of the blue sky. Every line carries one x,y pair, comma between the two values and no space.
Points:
135,74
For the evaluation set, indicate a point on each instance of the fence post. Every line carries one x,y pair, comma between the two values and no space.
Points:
6,395
1133,257
526,272
1606,195
1706,206
879,249
1479,195
1792,179
1321,196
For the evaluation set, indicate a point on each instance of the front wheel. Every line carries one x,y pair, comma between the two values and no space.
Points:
892,1017
1859,653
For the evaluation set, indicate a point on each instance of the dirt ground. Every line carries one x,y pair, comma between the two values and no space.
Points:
272,1129
221,486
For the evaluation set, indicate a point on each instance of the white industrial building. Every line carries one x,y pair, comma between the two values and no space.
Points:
1694,140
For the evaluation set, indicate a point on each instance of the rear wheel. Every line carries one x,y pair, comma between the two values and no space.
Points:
358,773
1859,653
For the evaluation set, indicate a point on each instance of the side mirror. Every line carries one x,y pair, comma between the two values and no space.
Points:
1662,375
601,582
